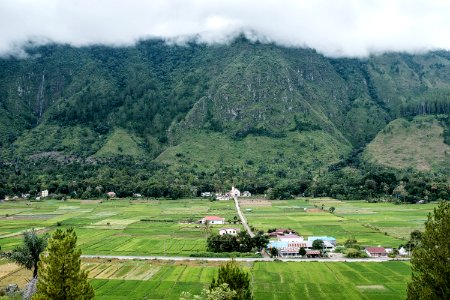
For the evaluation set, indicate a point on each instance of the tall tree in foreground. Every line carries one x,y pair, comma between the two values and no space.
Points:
60,276
431,258
237,280
27,254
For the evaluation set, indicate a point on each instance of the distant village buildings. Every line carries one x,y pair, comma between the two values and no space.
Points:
290,244
234,192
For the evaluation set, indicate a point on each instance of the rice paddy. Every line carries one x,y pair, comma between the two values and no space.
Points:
166,227
129,280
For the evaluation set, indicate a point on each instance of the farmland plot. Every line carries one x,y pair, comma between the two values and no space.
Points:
117,227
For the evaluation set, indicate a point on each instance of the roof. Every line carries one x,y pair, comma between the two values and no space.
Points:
323,238
376,250
228,228
312,252
289,236
213,218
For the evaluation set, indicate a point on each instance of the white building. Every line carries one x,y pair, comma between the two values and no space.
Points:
246,194
212,220
230,231
44,193
235,192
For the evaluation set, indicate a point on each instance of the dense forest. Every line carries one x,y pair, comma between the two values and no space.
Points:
175,120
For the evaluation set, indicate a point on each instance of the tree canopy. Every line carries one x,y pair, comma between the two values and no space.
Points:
237,280
60,276
27,254
431,258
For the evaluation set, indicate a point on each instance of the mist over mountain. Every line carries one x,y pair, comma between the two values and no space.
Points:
334,28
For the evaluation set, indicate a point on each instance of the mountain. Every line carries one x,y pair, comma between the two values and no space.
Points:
200,116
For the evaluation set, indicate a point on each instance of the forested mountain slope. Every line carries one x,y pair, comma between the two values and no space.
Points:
256,114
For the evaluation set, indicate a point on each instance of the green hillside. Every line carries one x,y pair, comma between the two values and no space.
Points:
416,144
173,120
293,155
121,142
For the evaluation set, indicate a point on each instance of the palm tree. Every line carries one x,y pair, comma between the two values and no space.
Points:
27,255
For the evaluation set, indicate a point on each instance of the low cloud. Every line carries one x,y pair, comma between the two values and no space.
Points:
333,27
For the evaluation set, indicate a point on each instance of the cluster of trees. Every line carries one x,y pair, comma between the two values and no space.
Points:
352,249
242,242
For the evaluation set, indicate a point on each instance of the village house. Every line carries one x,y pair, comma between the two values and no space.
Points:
376,252
212,220
111,194
246,194
206,194
402,251
230,231
223,197
235,192
44,193
281,231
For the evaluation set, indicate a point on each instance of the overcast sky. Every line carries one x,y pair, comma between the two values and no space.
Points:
333,27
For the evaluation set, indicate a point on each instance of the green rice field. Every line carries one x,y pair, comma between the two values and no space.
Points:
371,224
161,227
270,280
133,279
117,227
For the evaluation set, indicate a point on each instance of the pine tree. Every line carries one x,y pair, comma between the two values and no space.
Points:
60,276
237,280
431,258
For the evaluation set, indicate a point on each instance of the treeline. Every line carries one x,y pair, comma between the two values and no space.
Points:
127,176
435,101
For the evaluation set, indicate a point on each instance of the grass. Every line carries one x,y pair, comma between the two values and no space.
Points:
416,144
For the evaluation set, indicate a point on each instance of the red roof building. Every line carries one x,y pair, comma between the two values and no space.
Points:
212,220
376,252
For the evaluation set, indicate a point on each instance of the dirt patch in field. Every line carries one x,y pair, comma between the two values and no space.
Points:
313,210
30,217
89,201
19,276
8,268
255,203
14,234
371,287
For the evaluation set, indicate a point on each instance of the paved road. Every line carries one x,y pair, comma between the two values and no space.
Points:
179,258
241,216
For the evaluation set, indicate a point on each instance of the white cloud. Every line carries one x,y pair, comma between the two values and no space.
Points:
333,27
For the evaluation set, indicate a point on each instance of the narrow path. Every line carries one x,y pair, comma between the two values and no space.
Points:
244,259
241,216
